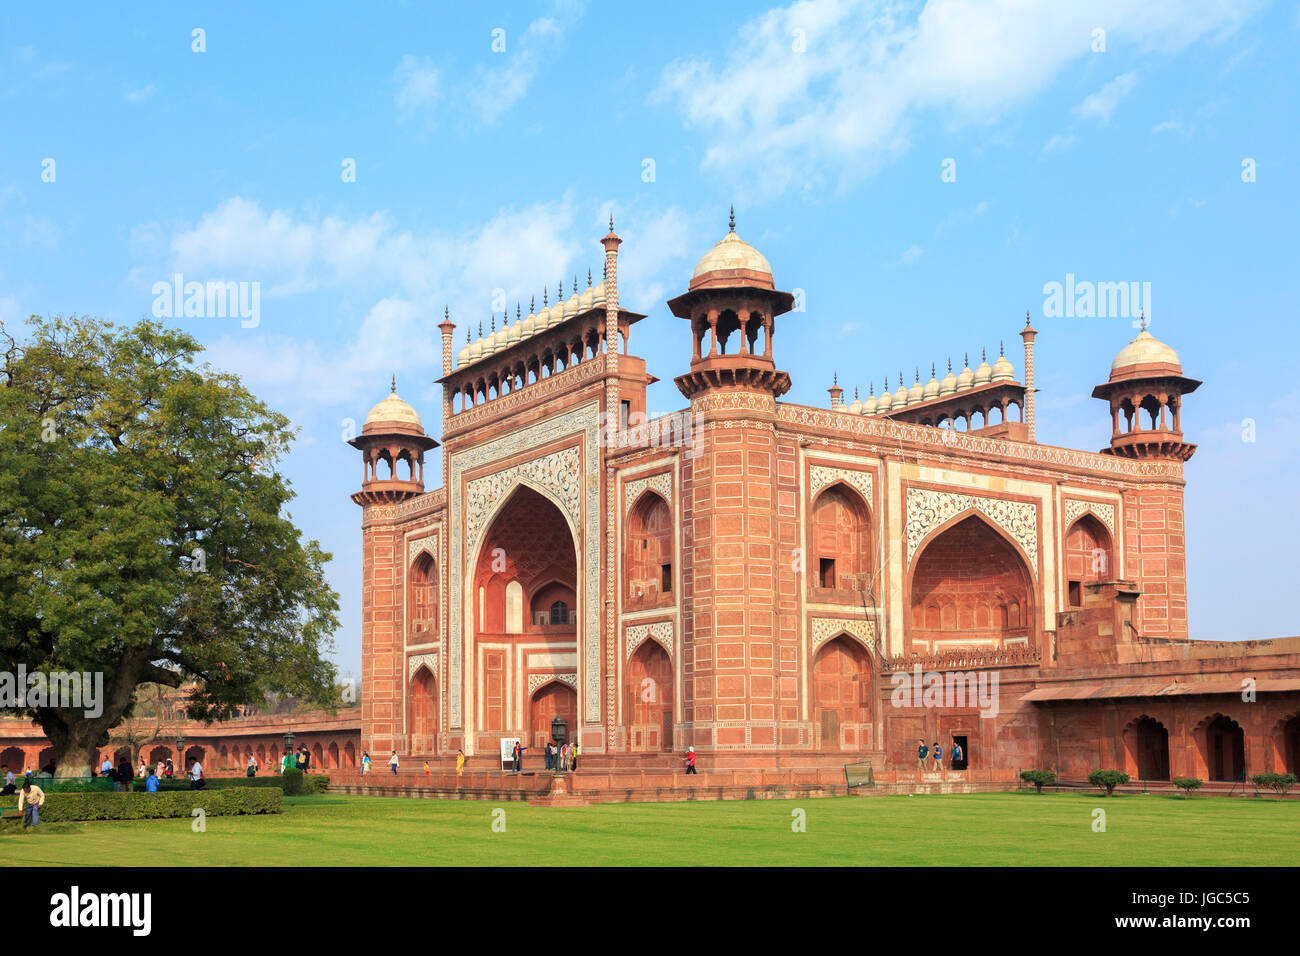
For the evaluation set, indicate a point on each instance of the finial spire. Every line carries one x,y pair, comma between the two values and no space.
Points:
1026,318
394,388
519,313
1002,347
611,221
966,357
1144,320
494,322
855,393
545,301
732,223
984,354
873,388
532,304
480,328
836,380
918,375
950,363
588,278
575,283
446,312
932,370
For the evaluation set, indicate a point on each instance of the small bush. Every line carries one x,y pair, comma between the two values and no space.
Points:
1108,780
229,801
1278,782
291,780
1039,778
315,783
1187,784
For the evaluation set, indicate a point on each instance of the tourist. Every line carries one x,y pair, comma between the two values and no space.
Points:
921,751
550,755
573,762
151,784
30,800
252,765
305,764
426,768
170,770
690,760
936,754
125,775
196,775
9,787
365,763
142,770
956,753
460,762
517,755
106,769
392,763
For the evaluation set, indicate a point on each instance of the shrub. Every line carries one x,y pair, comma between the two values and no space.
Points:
229,801
315,783
291,779
1279,782
1108,780
1187,784
1039,778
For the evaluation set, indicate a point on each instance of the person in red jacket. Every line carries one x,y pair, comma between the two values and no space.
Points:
690,760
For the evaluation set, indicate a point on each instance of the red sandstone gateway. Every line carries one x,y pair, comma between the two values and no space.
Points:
751,592
748,576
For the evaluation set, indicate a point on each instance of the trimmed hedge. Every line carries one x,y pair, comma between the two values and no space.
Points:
310,784
227,801
1039,778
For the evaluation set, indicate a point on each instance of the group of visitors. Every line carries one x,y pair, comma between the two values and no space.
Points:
561,757
300,759
935,753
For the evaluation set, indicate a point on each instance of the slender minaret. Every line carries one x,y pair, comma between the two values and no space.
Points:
1028,333
593,711
837,393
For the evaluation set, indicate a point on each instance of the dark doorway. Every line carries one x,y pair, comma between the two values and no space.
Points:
1225,749
1152,750
965,753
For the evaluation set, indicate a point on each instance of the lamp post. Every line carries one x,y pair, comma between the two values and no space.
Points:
288,747
559,733
180,749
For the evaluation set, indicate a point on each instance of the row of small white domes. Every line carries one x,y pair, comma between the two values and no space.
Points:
999,371
590,298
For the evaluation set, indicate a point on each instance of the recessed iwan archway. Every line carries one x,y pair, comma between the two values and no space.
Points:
524,613
970,586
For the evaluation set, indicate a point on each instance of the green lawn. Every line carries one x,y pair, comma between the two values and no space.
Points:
980,829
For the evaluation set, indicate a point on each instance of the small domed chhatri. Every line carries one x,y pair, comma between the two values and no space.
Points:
1148,352
732,262
392,411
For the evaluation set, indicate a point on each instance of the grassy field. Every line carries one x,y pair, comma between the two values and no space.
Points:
979,829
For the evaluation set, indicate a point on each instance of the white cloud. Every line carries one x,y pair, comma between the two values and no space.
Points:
1101,106
1059,143
418,86
502,84
140,95
774,118
910,255
408,275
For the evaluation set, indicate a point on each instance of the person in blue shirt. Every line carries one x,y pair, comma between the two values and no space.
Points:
921,751
956,753
937,753
151,784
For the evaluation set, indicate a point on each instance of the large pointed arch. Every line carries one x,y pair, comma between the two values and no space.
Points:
970,584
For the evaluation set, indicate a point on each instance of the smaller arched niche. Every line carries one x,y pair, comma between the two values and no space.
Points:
1089,558
423,591
840,553
648,556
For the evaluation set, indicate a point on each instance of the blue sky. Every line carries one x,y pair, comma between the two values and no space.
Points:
829,125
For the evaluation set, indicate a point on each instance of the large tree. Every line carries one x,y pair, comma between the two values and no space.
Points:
143,532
